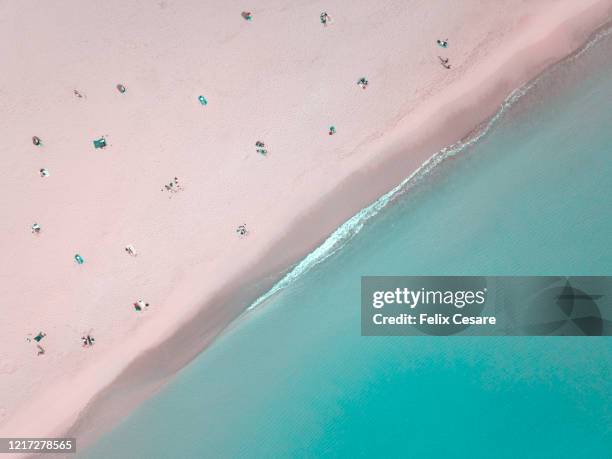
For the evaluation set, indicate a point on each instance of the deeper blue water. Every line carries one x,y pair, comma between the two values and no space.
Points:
294,378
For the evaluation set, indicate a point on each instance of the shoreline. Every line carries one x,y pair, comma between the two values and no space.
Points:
153,365
352,226
138,369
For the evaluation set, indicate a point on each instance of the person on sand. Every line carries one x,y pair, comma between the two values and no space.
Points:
444,62
36,141
325,18
242,230
443,43
260,148
35,228
38,338
173,186
363,82
140,305
87,340
131,250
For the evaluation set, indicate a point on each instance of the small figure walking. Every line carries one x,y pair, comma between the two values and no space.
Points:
36,141
242,230
121,88
130,250
443,43
79,259
332,130
35,228
44,173
363,82
203,100
78,94
247,15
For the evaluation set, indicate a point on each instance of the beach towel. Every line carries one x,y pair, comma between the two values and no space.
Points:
100,143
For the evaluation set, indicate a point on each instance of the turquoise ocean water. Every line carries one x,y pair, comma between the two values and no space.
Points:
294,378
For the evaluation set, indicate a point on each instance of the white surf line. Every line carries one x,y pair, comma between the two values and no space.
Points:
353,226
598,36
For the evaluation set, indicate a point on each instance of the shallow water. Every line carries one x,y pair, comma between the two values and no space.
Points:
294,378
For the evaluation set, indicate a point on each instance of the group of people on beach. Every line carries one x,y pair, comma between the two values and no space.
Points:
87,340
260,148
37,339
444,61
324,17
173,186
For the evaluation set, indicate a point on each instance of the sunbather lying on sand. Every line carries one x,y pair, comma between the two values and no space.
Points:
325,18
140,305
444,62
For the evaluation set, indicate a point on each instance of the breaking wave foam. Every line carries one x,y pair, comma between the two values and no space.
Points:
349,229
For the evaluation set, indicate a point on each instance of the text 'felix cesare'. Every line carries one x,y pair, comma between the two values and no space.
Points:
414,298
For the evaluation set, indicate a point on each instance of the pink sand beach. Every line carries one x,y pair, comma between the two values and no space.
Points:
282,78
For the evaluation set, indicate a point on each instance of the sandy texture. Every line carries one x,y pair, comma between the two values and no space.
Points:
282,78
